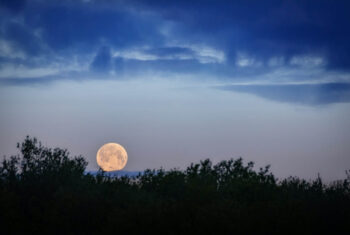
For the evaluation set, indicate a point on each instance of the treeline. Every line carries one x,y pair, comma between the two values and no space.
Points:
44,191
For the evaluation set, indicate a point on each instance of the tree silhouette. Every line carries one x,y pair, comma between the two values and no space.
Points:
44,190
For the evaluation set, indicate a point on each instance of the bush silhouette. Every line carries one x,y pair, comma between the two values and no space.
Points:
44,190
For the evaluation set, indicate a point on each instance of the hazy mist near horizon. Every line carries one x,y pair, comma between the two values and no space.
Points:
173,123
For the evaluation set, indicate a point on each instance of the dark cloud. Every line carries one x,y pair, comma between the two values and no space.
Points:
265,28
30,81
102,61
306,94
22,38
168,30
66,26
13,5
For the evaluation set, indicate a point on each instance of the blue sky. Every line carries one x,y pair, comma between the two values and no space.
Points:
240,67
236,41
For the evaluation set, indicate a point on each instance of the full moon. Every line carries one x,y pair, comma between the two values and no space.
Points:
112,157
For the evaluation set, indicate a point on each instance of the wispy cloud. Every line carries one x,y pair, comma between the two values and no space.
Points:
305,94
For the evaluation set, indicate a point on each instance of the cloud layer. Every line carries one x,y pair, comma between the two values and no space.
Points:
307,94
236,41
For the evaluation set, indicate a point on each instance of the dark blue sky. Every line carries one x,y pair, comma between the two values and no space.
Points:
179,81
230,40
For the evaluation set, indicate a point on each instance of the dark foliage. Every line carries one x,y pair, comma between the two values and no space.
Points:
43,190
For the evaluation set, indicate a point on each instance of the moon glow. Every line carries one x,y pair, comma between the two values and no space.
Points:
112,157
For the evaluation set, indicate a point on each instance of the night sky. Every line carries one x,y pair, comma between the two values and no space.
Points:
176,82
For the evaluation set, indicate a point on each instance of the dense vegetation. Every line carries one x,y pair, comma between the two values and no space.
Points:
43,190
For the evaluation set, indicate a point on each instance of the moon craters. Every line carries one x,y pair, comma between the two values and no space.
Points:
112,157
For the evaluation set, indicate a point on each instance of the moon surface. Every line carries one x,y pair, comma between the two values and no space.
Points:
112,157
